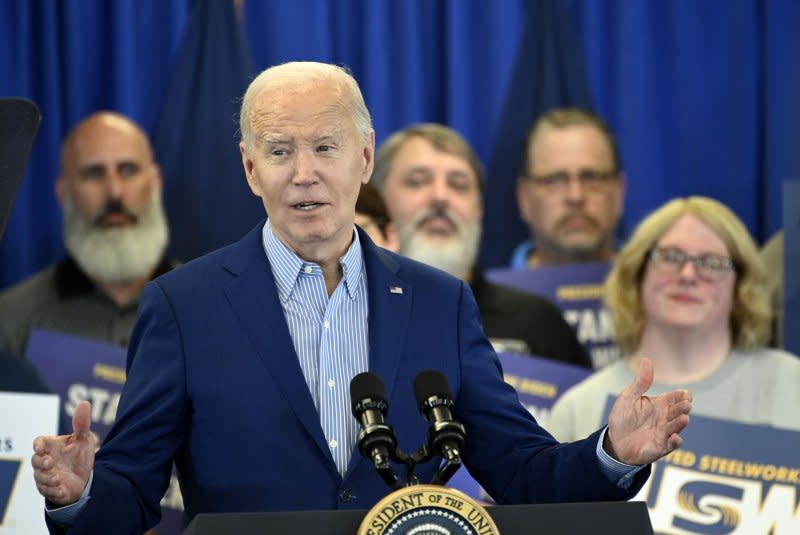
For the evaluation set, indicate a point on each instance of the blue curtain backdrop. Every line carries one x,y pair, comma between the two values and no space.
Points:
195,140
549,73
704,96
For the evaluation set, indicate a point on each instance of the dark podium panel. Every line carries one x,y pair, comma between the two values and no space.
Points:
619,518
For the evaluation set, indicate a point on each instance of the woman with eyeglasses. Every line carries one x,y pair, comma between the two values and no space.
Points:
688,291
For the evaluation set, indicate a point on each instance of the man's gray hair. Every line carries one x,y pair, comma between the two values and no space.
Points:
298,73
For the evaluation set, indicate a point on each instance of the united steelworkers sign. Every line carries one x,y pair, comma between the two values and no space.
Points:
22,418
727,478
427,509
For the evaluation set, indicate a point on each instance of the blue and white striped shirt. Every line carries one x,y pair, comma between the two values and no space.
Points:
330,335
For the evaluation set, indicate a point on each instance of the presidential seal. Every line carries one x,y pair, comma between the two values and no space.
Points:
427,510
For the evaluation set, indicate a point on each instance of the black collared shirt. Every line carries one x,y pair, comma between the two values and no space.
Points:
525,323
62,299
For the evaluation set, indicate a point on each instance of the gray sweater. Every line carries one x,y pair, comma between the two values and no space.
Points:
753,387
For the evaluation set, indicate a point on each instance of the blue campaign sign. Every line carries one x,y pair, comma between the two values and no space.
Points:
79,369
539,382
727,477
578,290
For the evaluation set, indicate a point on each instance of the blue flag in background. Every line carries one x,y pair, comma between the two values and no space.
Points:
549,73
791,259
196,140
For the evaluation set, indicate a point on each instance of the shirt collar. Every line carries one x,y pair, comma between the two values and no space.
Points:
287,266
519,257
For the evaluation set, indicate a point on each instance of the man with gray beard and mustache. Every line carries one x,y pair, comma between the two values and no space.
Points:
115,235
432,182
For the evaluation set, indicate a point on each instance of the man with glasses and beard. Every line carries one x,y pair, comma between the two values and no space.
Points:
115,235
570,191
432,182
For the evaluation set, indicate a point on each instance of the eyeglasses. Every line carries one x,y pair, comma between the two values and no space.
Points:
708,266
591,180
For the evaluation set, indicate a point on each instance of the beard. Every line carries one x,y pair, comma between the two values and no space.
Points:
455,255
117,254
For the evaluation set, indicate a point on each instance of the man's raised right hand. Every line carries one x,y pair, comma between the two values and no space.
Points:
62,464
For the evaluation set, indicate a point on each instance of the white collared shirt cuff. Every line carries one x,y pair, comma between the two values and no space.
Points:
66,514
622,473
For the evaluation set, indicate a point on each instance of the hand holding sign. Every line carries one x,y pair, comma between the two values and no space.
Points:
642,429
62,464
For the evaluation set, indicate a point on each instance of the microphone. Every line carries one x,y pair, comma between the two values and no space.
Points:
376,440
446,437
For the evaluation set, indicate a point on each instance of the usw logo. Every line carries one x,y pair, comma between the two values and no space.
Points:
687,501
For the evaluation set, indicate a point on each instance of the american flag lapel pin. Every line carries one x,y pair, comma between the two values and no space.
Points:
395,290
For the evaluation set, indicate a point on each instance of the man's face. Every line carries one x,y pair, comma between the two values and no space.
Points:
108,173
576,219
307,164
434,199
110,192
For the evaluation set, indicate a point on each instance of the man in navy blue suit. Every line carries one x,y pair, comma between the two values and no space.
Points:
239,365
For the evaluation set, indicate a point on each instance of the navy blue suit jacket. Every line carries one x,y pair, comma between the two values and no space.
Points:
214,384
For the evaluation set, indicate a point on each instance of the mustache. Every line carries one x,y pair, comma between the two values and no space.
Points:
436,212
563,220
115,207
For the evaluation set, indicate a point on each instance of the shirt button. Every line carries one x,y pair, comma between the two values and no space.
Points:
333,443
327,324
345,495
307,269
331,383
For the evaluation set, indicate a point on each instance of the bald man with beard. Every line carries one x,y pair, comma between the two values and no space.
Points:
115,235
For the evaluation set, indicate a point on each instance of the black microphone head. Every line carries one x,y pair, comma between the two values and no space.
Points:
430,383
366,385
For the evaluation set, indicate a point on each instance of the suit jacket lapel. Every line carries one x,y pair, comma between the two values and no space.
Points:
389,309
254,299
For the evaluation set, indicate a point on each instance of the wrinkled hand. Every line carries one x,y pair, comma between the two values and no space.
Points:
62,464
642,429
